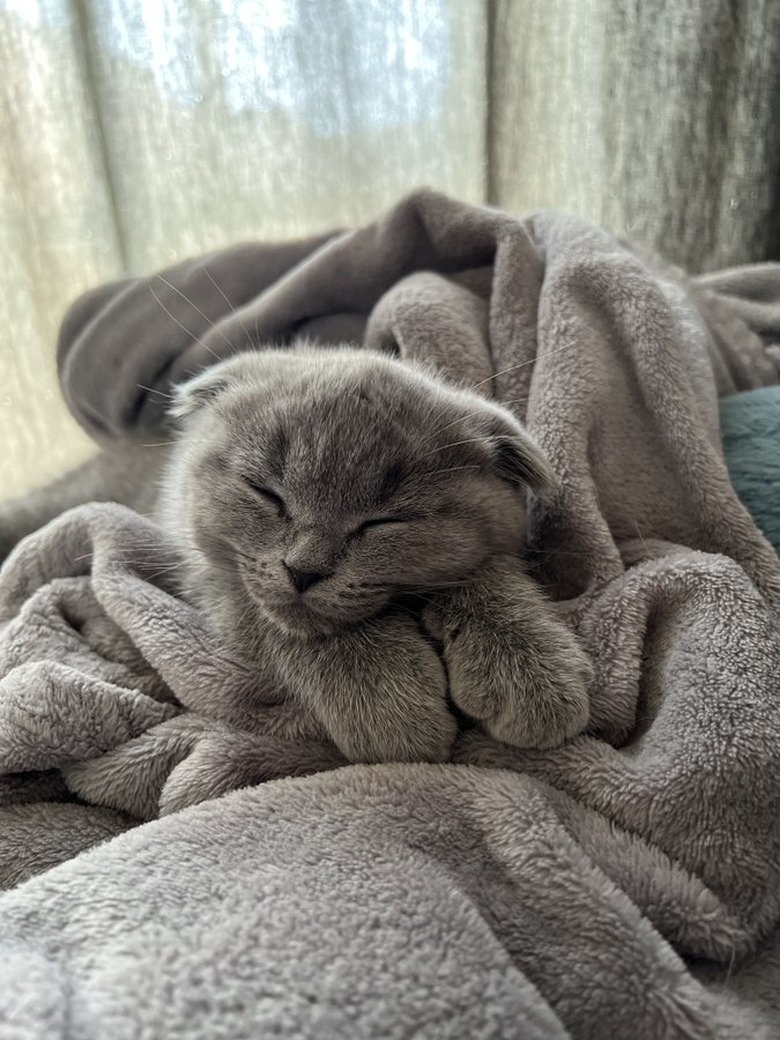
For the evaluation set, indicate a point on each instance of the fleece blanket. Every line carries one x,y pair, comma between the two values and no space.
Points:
223,872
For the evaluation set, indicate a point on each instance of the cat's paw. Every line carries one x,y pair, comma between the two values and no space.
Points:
401,713
526,688
379,690
545,700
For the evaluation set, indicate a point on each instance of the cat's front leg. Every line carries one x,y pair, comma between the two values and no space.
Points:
513,666
379,689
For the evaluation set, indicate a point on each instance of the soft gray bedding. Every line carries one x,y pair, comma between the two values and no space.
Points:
627,884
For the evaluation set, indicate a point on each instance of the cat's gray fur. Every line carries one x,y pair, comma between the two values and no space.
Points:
385,483
282,459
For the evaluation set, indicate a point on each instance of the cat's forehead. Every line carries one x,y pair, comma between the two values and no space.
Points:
343,418
348,437
344,444
345,409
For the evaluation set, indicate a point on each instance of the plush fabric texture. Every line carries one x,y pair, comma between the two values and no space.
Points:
626,884
750,427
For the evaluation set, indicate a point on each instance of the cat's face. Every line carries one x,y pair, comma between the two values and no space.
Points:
318,485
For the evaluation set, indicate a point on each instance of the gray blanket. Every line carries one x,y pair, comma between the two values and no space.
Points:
627,884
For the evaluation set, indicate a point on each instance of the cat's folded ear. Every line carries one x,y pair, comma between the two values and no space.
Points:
253,369
205,387
517,457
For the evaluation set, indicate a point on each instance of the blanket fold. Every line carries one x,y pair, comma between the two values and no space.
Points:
652,838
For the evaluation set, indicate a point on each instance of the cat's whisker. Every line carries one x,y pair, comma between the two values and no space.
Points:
140,554
231,305
137,555
161,545
454,444
451,469
183,327
244,616
439,586
247,557
192,550
168,565
153,390
197,309
522,364
158,574
148,554
405,610
146,558
501,372
470,415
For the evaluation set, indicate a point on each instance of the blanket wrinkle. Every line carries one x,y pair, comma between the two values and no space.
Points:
607,887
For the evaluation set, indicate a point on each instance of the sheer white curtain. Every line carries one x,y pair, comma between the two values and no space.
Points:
136,132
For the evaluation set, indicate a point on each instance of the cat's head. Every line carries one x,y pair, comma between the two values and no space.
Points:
316,485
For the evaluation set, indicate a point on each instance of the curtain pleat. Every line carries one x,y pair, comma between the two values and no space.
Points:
658,119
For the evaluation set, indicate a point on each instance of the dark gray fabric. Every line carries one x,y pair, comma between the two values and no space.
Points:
509,893
126,316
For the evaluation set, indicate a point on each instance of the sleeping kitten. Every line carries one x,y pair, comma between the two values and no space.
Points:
356,525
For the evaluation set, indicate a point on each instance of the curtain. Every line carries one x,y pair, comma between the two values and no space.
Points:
137,132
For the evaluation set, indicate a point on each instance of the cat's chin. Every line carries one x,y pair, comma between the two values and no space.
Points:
297,620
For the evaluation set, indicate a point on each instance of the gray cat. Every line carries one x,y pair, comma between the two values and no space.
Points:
355,526
357,523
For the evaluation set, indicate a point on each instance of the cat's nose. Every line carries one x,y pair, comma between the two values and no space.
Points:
303,580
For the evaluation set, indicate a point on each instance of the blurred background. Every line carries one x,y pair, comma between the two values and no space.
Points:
136,132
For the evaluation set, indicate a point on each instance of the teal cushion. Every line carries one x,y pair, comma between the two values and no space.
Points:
750,426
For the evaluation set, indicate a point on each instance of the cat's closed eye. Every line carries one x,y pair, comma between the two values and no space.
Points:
267,495
382,521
